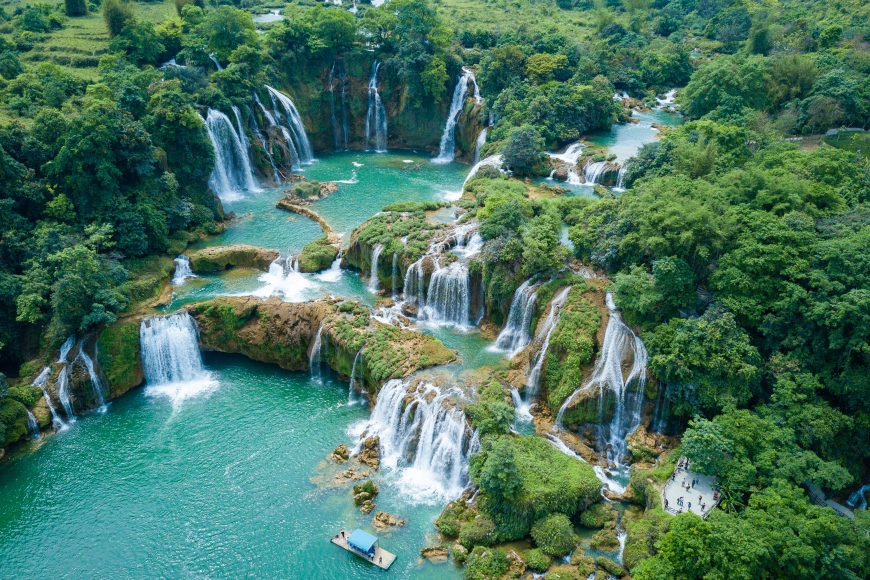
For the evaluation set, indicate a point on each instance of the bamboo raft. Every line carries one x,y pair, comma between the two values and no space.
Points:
377,555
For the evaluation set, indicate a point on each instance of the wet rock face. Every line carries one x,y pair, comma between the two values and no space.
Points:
370,454
236,256
560,172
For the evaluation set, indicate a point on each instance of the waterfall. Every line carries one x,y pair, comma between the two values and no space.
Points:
339,133
93,376
491,161
448,300
543,334
415,284
448,140
619,177
594,172
376,117
857,499
215,61
352,386
477,98
288,139
569,157
514,337
182,270
481,141
374,284
63,394
246,144
263,139
424,435
284,279
294,122
662,411
232,171
32,425
315,357
621,345
394,276
41,382
171,359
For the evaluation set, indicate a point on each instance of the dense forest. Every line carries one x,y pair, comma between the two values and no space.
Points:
738,248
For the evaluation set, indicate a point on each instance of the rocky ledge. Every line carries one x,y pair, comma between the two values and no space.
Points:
237,256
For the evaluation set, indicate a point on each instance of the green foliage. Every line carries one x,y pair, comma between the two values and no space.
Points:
648,298
75,8
491,414
554,535
524,479
536,560
522,153
486,564
25,394
317,255
117,14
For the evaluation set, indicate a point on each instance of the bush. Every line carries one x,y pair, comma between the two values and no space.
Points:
486,564
25,394
76,7
116,14
554,535
537,560
305,189
317,255
522,154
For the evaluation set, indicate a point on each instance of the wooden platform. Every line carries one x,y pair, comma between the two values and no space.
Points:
382,559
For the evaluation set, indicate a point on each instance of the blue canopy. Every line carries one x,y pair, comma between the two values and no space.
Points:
362,541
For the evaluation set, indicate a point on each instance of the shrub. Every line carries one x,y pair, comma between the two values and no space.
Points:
116,14
75,7
554,535
537,560
25,394
486,563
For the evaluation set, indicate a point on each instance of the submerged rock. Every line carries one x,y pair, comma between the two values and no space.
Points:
435,554
340,455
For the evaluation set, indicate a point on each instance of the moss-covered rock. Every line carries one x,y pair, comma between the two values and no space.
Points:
564,572
317,255
610,566
536,560
13,421
598,516
606,539
554,535
120,356
585,564
237,256
644,532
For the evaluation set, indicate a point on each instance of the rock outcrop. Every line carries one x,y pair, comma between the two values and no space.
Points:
237,256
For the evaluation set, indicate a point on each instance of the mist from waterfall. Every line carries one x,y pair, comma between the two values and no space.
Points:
171,358
376,117
294,124
232,174
285,280
514,337
620,346
447,152
424,438
339,131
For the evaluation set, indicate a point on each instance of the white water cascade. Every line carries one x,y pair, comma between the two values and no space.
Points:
96,382
171,358
374,284
284,279
232,174
621,345
477,98
182,270
542,336
514,337
448,140
594,172
41,382
491,161
339,131
619,177
376,117
858,499
423,436
264,141
215,61
32,425
317,355
294,123
63,394
352,387
394,276
478,145
569,157
448,299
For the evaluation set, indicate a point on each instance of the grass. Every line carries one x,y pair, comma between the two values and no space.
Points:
508,14
83,40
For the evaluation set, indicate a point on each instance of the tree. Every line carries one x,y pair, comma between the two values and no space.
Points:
116,13
554,535
225,29
75,8
522,152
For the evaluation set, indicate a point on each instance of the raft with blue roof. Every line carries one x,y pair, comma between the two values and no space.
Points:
365,546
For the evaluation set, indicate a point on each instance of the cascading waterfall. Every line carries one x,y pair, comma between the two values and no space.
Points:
41,382
93,376
858,499
243,137
352,386
376,117
415,284
477,98
447,152
288,138
491,161
32,425
662,411
63,394
620,344
619,177
423,434
232,173
569,157
339,131
448,299
594,172
333,273
316,356
182,270
374,284
478,145
263,139
171,358
543,334
285,279
294,122
514,337
215,61
394,277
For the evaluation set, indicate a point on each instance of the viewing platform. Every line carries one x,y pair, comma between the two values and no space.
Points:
365,546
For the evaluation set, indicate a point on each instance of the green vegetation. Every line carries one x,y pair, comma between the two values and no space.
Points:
554,535
317,255
119,356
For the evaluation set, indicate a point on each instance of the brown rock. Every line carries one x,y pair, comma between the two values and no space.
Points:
340,454
367,507
384,520
237,256
435,554
409,309
371,452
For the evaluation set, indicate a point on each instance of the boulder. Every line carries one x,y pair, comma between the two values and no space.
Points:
236,256
460,554
384,520
409,309
340,454
435,554
370,454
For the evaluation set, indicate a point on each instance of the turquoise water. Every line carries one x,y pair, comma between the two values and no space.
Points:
219,487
